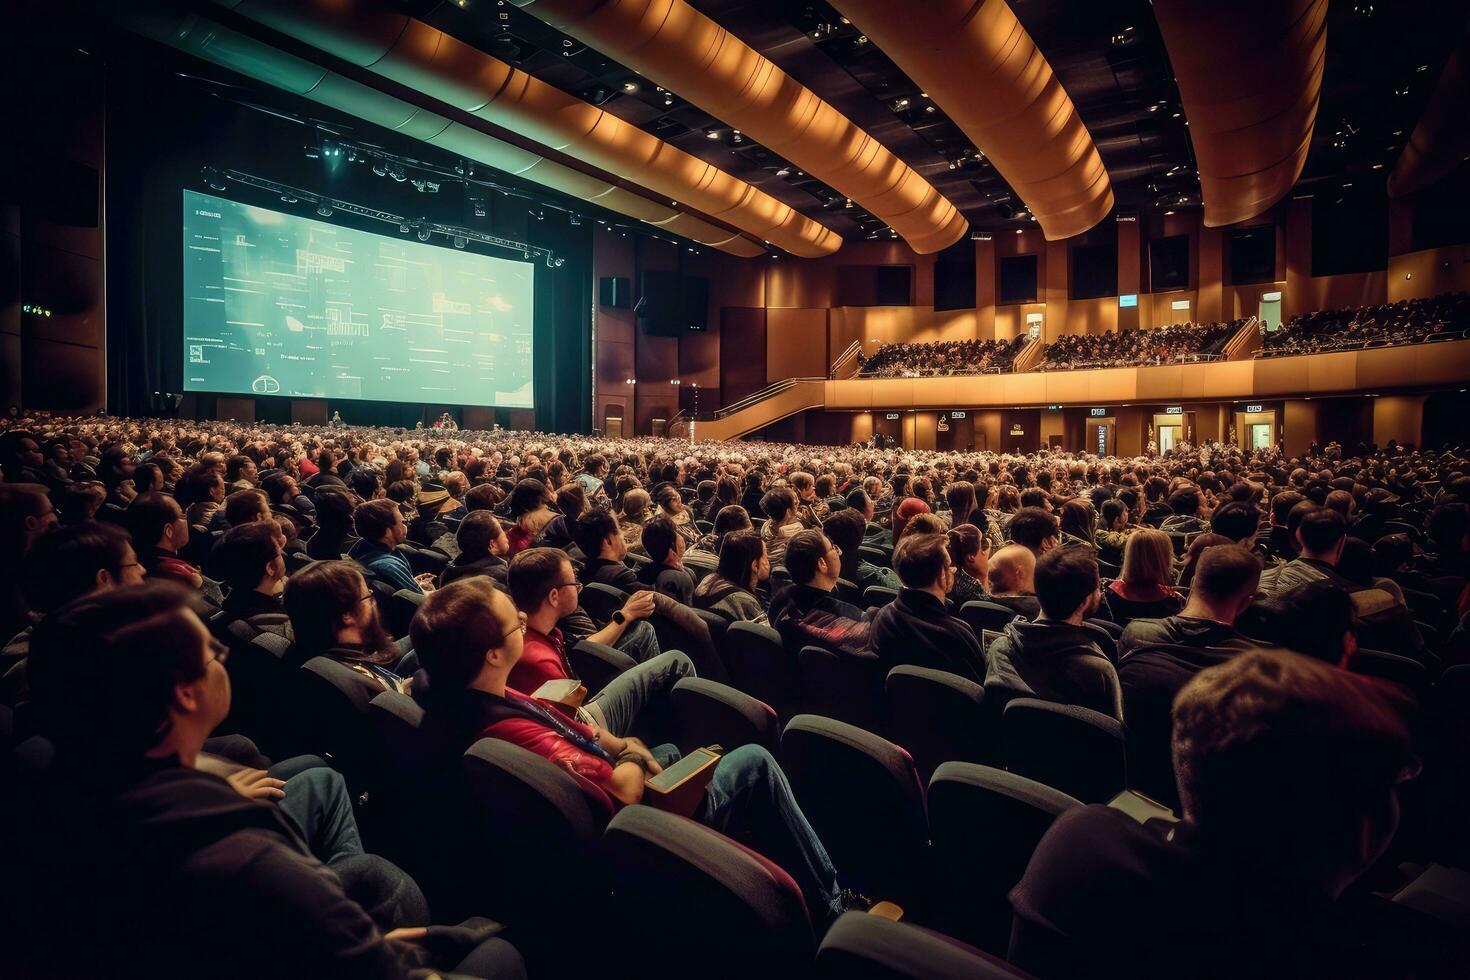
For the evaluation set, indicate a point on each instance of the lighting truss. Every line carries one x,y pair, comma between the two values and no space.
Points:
399,221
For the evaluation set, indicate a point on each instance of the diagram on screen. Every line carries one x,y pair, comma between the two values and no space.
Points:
279,304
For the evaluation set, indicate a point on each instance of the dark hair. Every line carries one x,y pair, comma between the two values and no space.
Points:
63,563
316,599
334,510
845,529
920,559
964,543
1311,619
147,477
731,518
364,481
803,551
527,496
659,538
483,496
533,574
1235,520
1322,529
592,529
1065,577
374,518
103,670
239,559
1031,526
453,628
1225,571
1034,497
147,517
1448,525
244,506
1282,504
778,503
274,486
737,551
1079,520
477,532
961,498
1325,746
1184,501
571,500
858,499
1110,511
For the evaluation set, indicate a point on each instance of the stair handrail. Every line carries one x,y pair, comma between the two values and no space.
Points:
768,391
849,354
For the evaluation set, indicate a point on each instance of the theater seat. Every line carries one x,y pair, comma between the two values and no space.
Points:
871,947
401,608
1076,750
939,717
984,824
848,592
693,632
863,797
720,909
982,615
878,595
710,713
536,833
597,664
601,601
333,704
845,686
760,666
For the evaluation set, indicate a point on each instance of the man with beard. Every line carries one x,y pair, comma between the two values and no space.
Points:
333,615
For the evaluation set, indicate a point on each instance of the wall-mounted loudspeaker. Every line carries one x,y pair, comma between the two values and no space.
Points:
615,291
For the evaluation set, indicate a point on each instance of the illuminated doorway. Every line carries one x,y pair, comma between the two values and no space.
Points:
1261,435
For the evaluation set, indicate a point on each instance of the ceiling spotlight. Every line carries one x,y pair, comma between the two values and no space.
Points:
325,210
404,228
460,241
630,86
424,234
783,172
289,198
711,134
380,166
397,172
212,178
312,153
928,108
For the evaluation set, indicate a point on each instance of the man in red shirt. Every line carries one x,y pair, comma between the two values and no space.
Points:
544,587
469,638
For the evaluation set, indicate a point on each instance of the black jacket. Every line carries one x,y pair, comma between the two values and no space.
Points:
166,871
805,615
491,565
1054,661
916,628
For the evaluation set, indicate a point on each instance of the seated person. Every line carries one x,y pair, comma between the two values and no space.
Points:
1145,589
873,533
468,639
845,530
482,550
1184,505
779,505
1288,773
1112,532
1157,657
333,615
242,507
916,628
1060,656
131,685
67,563
706,551
545,590
1314,619
601,539
286,499
665,573
159,532
1013,580
381,530
1034,529
807,612
334,534
732,590
970,553
250,563
426,527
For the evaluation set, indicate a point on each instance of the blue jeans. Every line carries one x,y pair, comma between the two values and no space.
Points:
639,641
641,695
750,801
316,799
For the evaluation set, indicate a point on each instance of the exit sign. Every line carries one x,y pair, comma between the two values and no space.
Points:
1254,408
1174,410
1097,413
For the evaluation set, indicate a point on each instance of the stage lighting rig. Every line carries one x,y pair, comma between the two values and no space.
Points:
211,176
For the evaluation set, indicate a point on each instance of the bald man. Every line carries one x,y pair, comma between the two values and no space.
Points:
1012,574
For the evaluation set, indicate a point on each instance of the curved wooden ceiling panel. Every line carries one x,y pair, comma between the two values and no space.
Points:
1250,77
1441,140
254,59
978,63
676,46
372,35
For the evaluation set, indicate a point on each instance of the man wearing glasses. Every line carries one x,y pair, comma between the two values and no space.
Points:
544,588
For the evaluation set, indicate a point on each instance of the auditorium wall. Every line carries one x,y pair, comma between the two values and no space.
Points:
52,228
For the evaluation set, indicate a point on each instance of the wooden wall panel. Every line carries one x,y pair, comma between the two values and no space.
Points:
796,343
742,351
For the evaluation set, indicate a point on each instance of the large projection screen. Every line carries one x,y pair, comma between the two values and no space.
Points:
276,304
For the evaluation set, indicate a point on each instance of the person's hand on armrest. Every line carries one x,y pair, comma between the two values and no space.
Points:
626,782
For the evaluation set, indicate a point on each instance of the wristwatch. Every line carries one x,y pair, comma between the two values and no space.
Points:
618,617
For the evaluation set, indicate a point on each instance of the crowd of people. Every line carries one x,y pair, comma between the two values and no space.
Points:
1409,321
1136,348
1266,632
941,357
